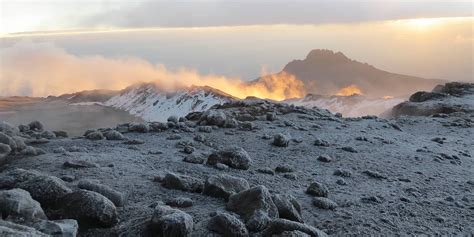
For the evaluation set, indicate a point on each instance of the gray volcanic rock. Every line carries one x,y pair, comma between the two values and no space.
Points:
36,126
114,196
253,205
224,186
89,208
17,203
227,225
447,99
281,140
182,182
114,135
167,221
48,190
288,207
58,228
234,157
96,135
324,203
317,189
278,226
11,229
214,117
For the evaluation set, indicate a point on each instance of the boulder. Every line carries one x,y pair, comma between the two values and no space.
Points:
114,196
7,140
36,126
182,182
288,207
234,157
4,151
90,208
181,202
58,228
48,135
227,225
11,229
48,190
278,226
214,117
95,136
222,186
139,127
324,203
18,204
255,205
422,96
317,189
78,164
114,135
281,140
170,222
8,129
62,134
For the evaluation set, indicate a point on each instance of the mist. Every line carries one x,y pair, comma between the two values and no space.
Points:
42,69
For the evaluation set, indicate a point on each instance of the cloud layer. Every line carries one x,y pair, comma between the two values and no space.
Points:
42,69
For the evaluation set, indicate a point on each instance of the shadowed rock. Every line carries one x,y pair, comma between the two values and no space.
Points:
223,186
167,221
234,157
227,225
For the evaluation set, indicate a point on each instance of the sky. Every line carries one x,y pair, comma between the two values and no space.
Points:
235,39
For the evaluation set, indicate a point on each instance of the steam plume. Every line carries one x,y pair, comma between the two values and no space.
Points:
41,69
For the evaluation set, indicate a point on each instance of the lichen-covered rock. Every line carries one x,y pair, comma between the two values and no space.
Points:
223,185
182,182
90,208
48,190
278,226
227,225
18,204
114,196
170,222
317,189
58,228
288,207
234,157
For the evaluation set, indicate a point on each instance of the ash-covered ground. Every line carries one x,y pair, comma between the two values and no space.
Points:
246,168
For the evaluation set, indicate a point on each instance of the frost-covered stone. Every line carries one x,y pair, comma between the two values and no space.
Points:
114,196
36,126
223,186
167,221
90,207
255,205
317,189
114,135
181,202
18,203
48,190
182,182
288,207
227,225
234,157
139,127
278,226
281,140
214,117
96,135
194,159
58,228
324,203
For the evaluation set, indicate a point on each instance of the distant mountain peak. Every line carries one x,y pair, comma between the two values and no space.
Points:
327,56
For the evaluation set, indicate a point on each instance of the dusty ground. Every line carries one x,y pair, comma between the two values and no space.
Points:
426,190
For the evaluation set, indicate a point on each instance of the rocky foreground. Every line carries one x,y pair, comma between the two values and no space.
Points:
245,168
